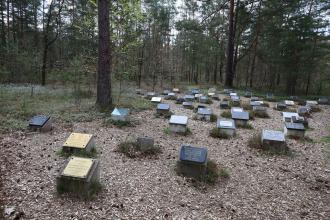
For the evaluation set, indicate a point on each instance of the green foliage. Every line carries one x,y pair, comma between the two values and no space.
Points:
212,172
255,142
215,133
119,124
186,133
132,149
213,118
94,189
226,114
82,153
260,114
246,126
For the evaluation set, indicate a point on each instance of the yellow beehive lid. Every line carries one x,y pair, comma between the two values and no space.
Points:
78,140
78,167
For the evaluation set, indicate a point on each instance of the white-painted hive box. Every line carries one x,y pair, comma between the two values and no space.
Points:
226,126
178,123
156,99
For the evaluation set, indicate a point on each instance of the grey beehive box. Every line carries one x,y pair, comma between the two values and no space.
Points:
255,103
260,109
294,129
204,114
195,91
224,104
163,108
280,106
240,118
78,175
226,126
273,140
40,122
120,114
189,98
149,95
203,99
145,143
287,116
303,111
192,162
178,123
180,100
188,105
254,98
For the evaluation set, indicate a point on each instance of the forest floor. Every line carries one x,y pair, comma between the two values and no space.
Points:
260,186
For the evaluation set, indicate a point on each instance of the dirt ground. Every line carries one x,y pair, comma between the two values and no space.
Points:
260,186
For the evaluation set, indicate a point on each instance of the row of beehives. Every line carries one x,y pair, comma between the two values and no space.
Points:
294,123
79,174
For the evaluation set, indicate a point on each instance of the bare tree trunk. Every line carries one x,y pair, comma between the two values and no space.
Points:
3,32
230,47
104,99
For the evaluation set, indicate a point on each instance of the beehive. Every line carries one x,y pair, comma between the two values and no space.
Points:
78,175
78,142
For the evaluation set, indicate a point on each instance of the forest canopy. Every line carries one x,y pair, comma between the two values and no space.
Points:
278,46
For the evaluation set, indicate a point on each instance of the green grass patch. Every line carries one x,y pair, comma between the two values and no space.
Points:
132,150
164,114
256,143
186,133
215,133
246,106
82,153
260,114
246,126
213,118
226,114
118,124
94,189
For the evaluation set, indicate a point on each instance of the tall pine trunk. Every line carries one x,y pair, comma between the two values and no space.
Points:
103,100
230,47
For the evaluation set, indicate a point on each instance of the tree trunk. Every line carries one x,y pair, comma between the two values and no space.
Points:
3,32
103,99
230,47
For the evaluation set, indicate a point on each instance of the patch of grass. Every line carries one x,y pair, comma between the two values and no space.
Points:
235,104
209,102
167,130
212,172
215,133
246,106
226,114
251,115
213,118
164,114
186,133
82,153
301,139
119,124
132,150
259,114
246,126
255,142
224,173
94,189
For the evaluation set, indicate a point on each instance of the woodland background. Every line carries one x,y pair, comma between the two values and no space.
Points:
270,45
